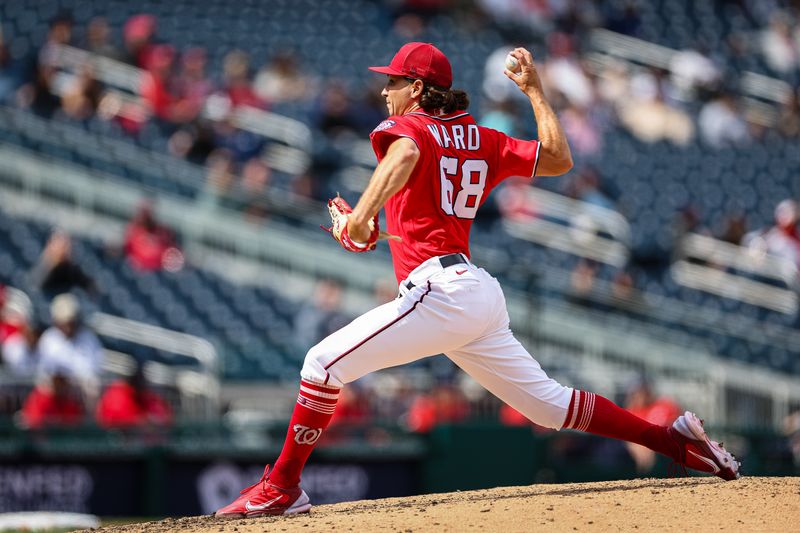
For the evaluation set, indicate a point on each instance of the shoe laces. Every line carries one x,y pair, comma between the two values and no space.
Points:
263,479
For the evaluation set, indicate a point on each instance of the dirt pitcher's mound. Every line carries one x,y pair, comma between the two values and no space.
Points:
693,504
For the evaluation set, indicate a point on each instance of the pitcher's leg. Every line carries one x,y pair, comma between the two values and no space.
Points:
395,333
398,332
502,365
505,368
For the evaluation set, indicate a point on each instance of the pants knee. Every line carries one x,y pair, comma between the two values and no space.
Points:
314,367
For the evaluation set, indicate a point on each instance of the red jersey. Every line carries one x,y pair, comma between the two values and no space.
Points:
460,163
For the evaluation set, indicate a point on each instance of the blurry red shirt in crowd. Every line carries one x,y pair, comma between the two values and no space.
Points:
148,244
124,405
154,84
352,408
660,411
51,406
7,326
445,405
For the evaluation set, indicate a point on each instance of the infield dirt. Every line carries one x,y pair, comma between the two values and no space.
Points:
689,504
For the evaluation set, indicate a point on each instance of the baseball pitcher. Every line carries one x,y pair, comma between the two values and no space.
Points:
436,167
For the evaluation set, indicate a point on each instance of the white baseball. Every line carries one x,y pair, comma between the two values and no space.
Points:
512,63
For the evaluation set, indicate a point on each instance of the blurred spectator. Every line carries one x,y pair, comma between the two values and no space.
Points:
408,26
15,312
500,116
783,239
240,144
623,17
311,184
583,132
789,116
321,316
781,50
53,402
59,34
336,113
371,107
70,347
688,220
82,95
693,73
721,123
585,186
643,402
129,402
582,281
564,73
237,85
734,228
38,95
613,82
157,85
98,39
20,351
138,36
252,189
220,178
192,85
56,272
515,202
508,416
352,409
623,290
193,142
284,79
150,245
646,114
384,290
445,404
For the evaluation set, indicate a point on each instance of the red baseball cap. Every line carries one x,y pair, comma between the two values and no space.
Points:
420,60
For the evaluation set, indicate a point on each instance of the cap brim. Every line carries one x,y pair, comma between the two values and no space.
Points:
386,70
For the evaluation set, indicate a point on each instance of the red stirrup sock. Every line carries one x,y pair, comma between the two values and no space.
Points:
592,413
312,414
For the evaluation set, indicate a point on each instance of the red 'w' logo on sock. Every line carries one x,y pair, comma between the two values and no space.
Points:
306,435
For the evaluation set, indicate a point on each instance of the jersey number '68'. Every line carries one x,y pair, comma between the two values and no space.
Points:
473,181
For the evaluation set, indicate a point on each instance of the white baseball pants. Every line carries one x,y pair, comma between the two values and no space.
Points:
459,311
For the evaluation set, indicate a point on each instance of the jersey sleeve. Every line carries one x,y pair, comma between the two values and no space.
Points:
390,130
517,157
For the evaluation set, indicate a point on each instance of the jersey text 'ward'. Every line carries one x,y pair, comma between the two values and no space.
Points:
457,135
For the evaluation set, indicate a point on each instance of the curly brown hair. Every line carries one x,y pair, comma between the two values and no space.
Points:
448,100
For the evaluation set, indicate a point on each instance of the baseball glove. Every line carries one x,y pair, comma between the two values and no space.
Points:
340,211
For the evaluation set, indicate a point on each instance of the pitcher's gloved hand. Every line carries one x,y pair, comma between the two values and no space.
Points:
340,212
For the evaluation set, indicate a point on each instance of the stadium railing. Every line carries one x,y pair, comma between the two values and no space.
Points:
762,94
198,387
573,226
737,272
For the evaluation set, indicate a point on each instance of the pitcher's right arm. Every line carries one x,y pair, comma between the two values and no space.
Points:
555,157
